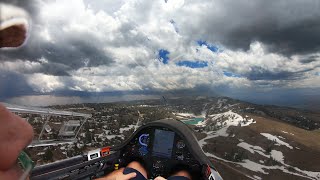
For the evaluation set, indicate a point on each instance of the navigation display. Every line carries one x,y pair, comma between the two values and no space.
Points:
163,143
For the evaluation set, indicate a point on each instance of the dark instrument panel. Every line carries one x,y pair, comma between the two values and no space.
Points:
160,150
163,147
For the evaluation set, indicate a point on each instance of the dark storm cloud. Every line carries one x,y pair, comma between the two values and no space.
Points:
77,52
296,39
12,85
55,69
258,73
309,59
286,27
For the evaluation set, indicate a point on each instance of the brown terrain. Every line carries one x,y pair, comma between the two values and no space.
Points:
305,153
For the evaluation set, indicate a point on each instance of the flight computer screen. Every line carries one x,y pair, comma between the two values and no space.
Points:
163,143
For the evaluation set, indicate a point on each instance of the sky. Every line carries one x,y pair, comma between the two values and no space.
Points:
266,52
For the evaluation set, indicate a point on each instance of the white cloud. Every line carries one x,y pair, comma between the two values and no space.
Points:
45,83
257,61
133,31
242,62
20,66
154,76
46,35
74,16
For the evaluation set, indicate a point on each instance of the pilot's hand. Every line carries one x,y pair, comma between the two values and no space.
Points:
118,175
160,178
15,134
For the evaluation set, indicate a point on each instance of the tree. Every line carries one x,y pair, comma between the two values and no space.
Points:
269,148
48,155
88,138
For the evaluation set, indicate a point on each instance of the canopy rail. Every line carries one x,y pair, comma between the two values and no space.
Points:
43,111
68,131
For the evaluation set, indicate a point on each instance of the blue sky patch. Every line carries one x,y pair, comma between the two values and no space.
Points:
230,74
193,64
163,56
212,47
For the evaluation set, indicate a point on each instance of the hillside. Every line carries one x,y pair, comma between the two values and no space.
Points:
244,140
258,142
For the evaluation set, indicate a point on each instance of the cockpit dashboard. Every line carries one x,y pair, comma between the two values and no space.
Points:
161,150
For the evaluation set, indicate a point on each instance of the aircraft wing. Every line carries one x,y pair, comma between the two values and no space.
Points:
43,111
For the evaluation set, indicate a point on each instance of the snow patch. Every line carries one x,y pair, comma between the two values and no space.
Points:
219,103
287,133
109,137
253,166
253,149
260,168
144,105
276,139
232,119
277,155
256,167
187,115
224,121
126,128
257,177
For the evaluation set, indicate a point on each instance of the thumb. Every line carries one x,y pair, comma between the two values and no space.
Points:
129,176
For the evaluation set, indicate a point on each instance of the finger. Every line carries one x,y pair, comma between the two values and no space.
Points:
14,26
15,134
129,176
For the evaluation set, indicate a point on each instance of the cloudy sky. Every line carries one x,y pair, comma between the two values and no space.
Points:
261,51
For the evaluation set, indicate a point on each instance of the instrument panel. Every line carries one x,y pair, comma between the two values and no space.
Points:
163,147
160,150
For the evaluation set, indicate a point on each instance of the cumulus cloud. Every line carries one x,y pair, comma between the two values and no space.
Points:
155,76
106,46
30,67
258,64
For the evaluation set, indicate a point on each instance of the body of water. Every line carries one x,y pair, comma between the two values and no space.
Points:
193,121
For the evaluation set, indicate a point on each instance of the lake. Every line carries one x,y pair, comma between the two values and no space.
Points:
193,121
